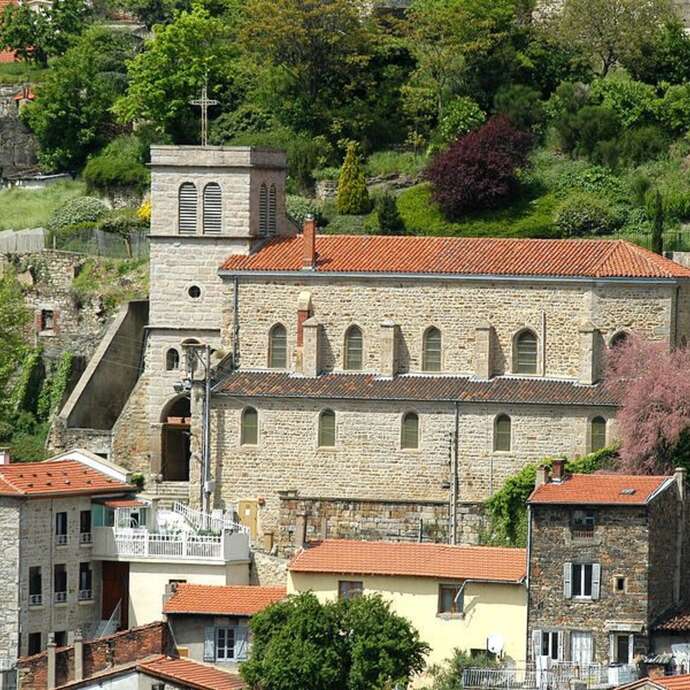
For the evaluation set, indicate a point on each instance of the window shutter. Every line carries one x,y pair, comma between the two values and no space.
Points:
187,207
241,642
213,213
596,580
209,643
631,648
561,640
536,643
263,210
565,646
612,648
567,580
272,210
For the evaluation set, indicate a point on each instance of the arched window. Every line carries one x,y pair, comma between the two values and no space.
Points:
619,338
502,432
327,429
526,353
272,210
353,348
213,209
249,432
431,353
263,209
409,432
172,359
187,203
277,347
597,430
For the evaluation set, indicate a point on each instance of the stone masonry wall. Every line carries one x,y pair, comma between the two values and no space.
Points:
620,545
9,576
131,436
268,570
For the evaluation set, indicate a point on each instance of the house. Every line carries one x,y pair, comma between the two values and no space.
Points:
607,557
211,623
367,382
471,598
680,682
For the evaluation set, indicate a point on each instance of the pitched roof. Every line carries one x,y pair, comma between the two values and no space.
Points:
678,621
222,600
411,559
680,682
467,256
409,387
124,503
191,674
600,489
56,477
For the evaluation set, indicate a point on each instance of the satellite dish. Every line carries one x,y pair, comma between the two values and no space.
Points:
495,644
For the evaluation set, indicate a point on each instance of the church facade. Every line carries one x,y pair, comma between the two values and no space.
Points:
370,386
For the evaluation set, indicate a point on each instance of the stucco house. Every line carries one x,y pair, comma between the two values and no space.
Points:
458,597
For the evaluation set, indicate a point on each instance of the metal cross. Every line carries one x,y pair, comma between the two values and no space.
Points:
204,102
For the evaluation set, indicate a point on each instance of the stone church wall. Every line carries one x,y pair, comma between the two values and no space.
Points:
9,576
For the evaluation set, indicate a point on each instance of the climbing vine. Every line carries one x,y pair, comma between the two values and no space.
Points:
55,386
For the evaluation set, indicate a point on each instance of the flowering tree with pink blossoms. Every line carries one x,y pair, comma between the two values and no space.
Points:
654,418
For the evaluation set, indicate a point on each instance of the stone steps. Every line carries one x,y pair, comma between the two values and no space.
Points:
169,492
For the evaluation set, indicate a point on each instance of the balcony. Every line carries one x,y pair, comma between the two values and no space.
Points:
60,597
85,538
85,595
61,539
35,599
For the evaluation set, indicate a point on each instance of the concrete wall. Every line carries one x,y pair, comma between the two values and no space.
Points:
10,510
489,609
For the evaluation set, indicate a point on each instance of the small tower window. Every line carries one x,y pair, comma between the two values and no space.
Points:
526,353
194,291
187,207
409,433
277,347
327,429
597,433
249,432
502,432
353,348
213,210
263,210
431,355
172,359
619,338
272,210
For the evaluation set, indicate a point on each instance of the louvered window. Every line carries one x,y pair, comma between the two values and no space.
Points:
213,212
188,206
272,210
263,210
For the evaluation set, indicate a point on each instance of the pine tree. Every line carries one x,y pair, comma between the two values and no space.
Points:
353,197
658,229
390,222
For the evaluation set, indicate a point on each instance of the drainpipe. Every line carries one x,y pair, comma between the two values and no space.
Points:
454,479
543,343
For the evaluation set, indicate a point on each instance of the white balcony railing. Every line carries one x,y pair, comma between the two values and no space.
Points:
204,522
35,599
60,597
61,539
85,538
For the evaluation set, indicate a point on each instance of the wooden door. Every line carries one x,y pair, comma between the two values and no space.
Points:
115,589
248,511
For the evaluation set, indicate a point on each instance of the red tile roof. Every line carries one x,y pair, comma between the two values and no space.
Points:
124,503
55,477
345,556
191,674
681,682
676,621
500,389
599,489
222,600
472,256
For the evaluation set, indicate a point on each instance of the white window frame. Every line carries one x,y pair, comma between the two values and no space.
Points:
569,578
226,648
613,646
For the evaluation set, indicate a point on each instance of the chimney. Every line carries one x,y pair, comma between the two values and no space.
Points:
309,243
542,476
589,354
51,680
558,470
78,655
310,347
483,351
5,456
388,366
681,476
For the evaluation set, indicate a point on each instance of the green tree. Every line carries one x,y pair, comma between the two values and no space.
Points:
353,197
39,35
299,644
389,220
169,73
71,116
448,676
658,227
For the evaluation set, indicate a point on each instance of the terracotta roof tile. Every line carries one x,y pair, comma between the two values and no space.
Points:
63,477
680,682
124,503
676,621
191,674
599,489
472,256
222,600
501,389
411,559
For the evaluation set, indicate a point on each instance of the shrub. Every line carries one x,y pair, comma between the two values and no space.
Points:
122,221
119,164
643,144
389,220
596,125
584,214
84,209
327,173
394,163
144,211
480,169
299,207
461,116
353,197
632,102
448,676
673,110
523,105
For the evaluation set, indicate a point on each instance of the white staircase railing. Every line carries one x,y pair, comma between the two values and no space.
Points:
201,521
110,626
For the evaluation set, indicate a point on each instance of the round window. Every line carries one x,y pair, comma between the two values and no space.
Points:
194,292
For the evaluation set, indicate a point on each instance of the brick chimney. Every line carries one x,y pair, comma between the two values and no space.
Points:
558,470
542,476
309,243
5,456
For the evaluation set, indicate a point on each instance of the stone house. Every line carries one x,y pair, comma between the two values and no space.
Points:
382,382
607,558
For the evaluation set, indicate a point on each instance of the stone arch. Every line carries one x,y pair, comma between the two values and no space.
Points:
175,439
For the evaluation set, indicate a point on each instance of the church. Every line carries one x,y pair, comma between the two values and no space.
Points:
380,387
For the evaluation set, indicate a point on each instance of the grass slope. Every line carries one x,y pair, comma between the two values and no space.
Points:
27,208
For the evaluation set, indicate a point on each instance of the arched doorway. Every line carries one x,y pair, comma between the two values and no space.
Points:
175,442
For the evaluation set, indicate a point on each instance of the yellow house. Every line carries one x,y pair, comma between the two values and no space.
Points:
468,597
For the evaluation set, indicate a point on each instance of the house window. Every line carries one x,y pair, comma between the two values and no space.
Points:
327,429
502,432
47,319
450,599
85,527
249,432
550,644
187,201
581,580
213,209
34,643
597,434
60,583
35,586
60,638
622,646
85,582
263,210
581,647
409,433
431,353
353,348
619,584
277,347
172,359
350,589
526,353
582,526
61,528
225,644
